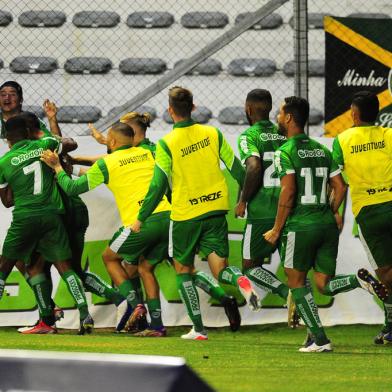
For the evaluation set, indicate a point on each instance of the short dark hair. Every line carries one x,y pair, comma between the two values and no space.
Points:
32,121
15,85
181,101
261,99
123,129
16,129
367,104
298,107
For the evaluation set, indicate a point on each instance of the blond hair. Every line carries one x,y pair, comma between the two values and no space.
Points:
141,119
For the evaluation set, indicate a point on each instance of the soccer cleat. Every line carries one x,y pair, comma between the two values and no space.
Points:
384,337
138,314
292,314
22,329
309,340
58,313
39,329
124,311
369,283
151,333
314,348
233,314
248,293
86,325
193,335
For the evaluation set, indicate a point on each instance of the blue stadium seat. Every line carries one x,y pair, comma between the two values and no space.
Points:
315,68
315,20
207,67
90,65
142,66
5,18
147,19
33,64
204,20
91,19
252,67
141,109
78,114
42,19
316,117
36,109
234,115
369,15
201,115
272,21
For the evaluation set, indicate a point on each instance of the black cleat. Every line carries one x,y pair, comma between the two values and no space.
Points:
86,325
232,312
371,284
384,337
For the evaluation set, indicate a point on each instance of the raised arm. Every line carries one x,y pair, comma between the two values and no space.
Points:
50,110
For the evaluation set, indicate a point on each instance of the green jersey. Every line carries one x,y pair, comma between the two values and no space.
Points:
262,140
312,165
148,145
44,129
32,182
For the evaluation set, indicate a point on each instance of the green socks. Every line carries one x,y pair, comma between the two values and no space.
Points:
128,291
154,309
340,284
190,298
308,311
388,314
76,289
96,285
266,280
230,275
136,283
208,284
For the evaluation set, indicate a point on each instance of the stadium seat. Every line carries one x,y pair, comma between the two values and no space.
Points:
146,19
315,68
33,64
315,20
204,20
36,109
233,115
141,109
252,67
96,19
207,67
78,114
272,21
93,65
142,66
42,19
5,18
201,115
369,15
315,117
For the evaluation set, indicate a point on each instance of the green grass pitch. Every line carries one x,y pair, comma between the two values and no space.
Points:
260,358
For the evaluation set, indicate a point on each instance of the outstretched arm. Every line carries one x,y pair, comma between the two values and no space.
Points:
50,110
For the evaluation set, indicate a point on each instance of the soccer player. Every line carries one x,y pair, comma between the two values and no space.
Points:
37,224
190,157
127,172
364,152
305,220
260,192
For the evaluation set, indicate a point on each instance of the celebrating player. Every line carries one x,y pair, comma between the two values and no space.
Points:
305,219
364,152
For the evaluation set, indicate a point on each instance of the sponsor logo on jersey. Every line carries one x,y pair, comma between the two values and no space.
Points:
244,144
265,137
195,147
353,78
15,161
206,198
316,153
134,159
367,147
373,191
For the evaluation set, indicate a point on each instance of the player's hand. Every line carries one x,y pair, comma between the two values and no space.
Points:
97,135
339,221
135,227
51,159
240,209
272,236
50,109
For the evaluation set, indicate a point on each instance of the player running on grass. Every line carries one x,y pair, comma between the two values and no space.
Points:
190,157
37,224
364,152
305,220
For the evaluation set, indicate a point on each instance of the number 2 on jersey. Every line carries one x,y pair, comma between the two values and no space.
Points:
268,180
36,169
309,196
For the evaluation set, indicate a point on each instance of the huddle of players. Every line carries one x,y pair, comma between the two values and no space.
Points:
291,189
